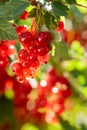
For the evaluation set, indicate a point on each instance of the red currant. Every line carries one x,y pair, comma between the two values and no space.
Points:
21,29
32,56
24,15
31,47
42,49
20,78
43,38
60,26
22,54
26,38
3,50
16,68
35,64
25,64
4,62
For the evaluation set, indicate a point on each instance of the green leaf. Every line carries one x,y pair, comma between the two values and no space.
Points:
1,3
6,112
83,127
76,13
47,19
50,20
13,9
7,31
71,1
62,51
65,124
59,9
18,46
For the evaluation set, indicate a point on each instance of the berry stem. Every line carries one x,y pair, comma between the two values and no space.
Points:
39,17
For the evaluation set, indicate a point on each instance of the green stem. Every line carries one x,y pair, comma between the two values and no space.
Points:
39,17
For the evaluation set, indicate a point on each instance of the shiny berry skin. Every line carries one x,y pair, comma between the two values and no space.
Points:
31,47
16,68
24,15
42,50
22,54
35,64
20,78
26,38
25,63
43,38
32,56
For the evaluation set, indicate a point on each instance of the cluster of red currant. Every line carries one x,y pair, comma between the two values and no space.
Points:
48,98
7,48
34,51
44,102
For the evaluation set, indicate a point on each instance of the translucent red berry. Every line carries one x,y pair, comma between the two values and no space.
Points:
4,50
43,37
42,49
26,38
31,47
25,63
35,64
24,15
60,26
20,78
4,62
21,29
32,56
22,54
16,68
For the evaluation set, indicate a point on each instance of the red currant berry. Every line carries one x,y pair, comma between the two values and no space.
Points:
20,29
20,78
35,64
26,38
60,26
16,68
32,56
24,15
31,47
22,54
43,37
42,49
25,64
3,50
4,62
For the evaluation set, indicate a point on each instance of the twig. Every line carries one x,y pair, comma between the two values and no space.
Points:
76,4
80,5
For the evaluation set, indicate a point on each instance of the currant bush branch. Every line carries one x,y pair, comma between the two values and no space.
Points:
75,4
80,5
